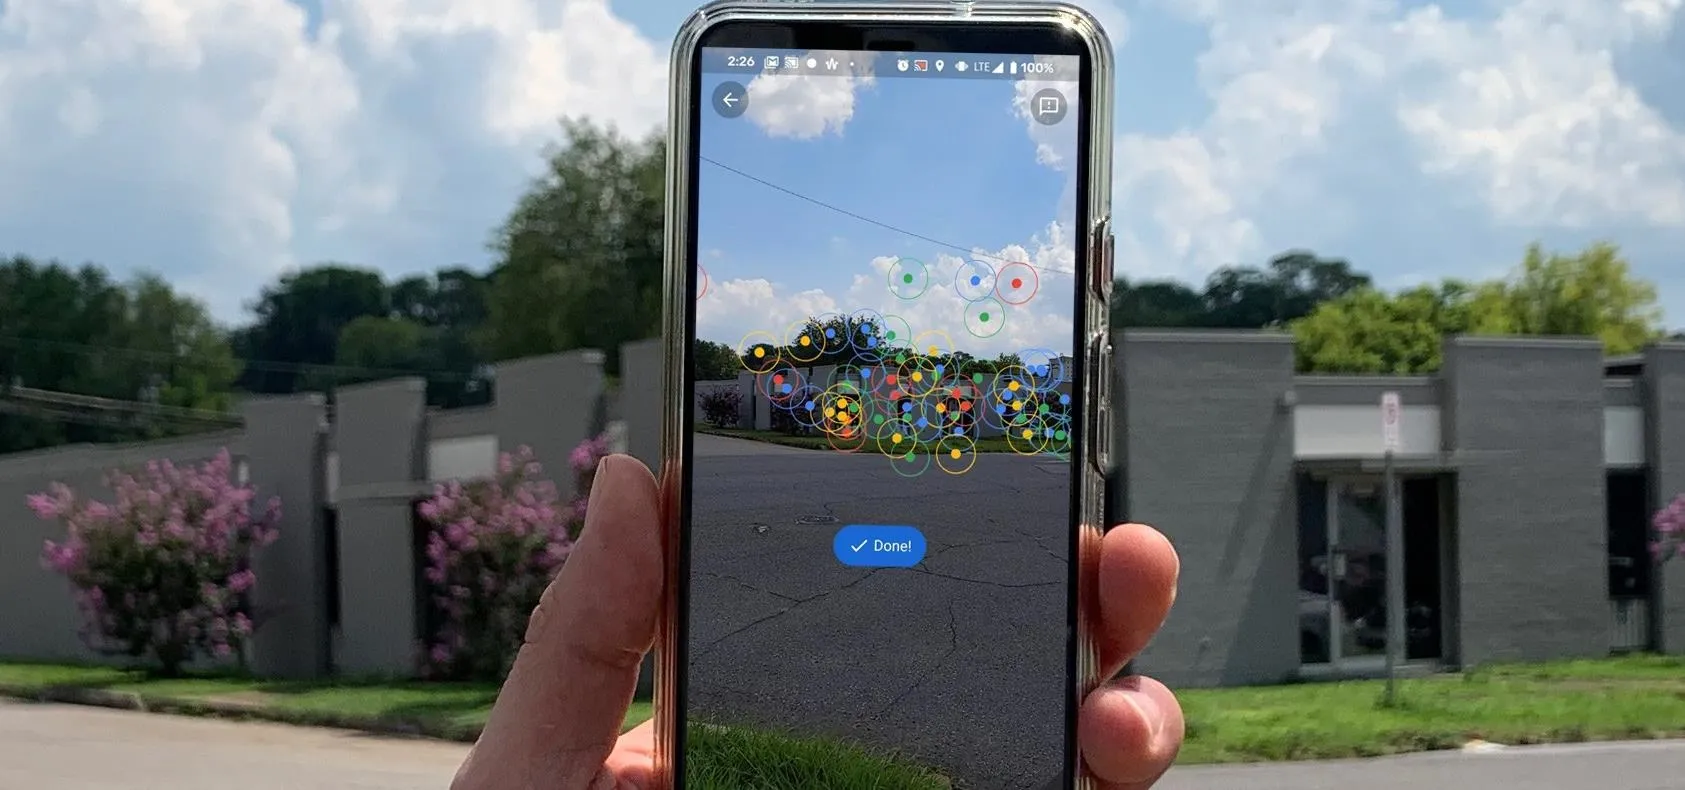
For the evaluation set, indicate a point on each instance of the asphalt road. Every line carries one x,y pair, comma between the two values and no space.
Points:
53,747
957,663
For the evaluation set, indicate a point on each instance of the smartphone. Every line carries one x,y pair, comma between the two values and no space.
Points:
889,261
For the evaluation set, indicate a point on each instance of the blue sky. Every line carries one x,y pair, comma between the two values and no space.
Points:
224,143
949,160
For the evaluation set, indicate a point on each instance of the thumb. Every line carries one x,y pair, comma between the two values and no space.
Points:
561,709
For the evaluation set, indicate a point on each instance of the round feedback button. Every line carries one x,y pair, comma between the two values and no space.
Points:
878,546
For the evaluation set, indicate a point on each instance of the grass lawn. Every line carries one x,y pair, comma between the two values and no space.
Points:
1633,697
993,444
720,758
1630,697
454,711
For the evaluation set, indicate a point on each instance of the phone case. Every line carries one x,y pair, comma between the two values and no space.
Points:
1093,465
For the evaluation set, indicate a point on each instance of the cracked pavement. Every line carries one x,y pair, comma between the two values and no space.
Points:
956,663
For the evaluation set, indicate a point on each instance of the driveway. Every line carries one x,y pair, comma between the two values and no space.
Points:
53,747
956,662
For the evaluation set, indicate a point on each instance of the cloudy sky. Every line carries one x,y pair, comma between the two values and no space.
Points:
930,204
222,142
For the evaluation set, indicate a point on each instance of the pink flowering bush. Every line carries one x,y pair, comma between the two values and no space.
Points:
164,571
1669,524
492,547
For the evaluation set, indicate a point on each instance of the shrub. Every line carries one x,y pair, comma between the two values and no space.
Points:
492,547
164,571
719,407
1669,535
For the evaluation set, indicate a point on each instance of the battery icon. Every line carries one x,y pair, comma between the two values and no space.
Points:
1015,67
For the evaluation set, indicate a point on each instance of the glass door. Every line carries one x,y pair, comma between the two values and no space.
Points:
1357,566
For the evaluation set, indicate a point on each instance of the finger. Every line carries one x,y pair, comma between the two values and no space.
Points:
561,708
1136,585
1129,733
631,766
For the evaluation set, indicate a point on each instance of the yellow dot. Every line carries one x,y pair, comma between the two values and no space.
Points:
895,437
1017,405
954,453
805,341
830,412
918,377
933,351
844,417
760,352
1013,386
941,408
842,403
1028,433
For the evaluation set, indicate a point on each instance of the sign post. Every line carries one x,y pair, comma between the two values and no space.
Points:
1392,414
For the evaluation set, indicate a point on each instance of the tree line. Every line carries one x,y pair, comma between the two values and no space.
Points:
577,264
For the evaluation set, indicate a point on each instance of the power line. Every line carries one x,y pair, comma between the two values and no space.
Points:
879,223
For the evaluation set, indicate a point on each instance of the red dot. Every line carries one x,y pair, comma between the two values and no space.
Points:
1017,283
778,379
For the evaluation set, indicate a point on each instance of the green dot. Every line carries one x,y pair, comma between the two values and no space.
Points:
977,378
907,278
890,335
1043,408
854,408
1060,435
901,359
984,318
877,419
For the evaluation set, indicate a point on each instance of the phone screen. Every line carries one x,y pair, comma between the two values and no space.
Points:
879,533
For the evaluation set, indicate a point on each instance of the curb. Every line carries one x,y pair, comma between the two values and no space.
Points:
224,709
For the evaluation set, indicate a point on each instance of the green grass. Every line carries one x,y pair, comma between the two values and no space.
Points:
992,444
720,758
1630,697
454,711
1636,697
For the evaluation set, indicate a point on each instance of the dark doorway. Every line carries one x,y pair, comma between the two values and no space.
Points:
1629,536
1422,571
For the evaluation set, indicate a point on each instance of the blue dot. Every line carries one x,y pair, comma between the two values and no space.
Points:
975,280
1064,400
809,405
787,389
871,342
830,333
1048,433
959,431
906,407
939,369
1000,408
922,423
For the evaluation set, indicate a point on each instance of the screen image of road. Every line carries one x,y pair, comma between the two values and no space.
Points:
880,481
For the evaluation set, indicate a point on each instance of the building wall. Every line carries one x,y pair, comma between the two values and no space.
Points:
1527,431
1206,448
1207,458
1664,392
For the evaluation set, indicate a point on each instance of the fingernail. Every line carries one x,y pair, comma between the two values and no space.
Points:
1149,711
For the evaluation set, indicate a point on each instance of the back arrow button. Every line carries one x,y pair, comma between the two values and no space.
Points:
730,99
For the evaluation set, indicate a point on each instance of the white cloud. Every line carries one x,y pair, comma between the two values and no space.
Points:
942,305
804,106
1524,107
224,142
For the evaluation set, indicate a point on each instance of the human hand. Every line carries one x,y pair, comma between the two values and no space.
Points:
556,724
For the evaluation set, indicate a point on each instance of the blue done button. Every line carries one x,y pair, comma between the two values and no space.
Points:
873,546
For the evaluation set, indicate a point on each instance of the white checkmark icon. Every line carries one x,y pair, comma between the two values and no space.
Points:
862,545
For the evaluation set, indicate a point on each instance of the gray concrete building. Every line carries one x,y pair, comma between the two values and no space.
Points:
1529,469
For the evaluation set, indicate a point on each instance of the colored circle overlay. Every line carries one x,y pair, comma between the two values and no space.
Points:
985,318
908,278
1017,283
974,281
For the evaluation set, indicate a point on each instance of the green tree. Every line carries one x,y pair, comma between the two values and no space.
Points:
78,331
1589,294
581,255
1289,287
1592,293
715,361
297,324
